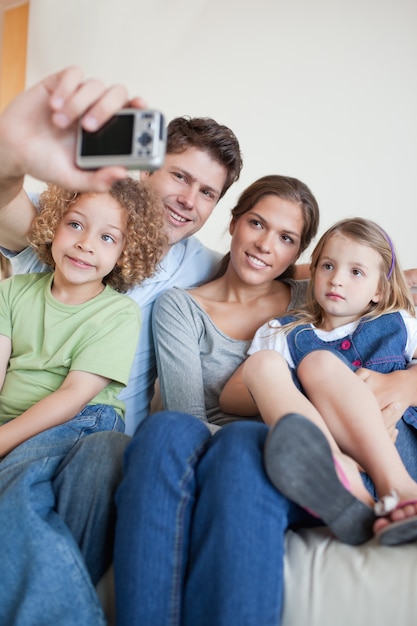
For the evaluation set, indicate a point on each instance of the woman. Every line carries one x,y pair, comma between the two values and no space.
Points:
200,540
193,563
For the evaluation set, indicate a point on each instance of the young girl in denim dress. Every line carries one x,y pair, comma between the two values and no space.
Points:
328,435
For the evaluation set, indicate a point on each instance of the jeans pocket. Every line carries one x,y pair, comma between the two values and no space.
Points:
96,418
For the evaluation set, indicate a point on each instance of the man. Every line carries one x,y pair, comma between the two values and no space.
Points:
37,137
203,159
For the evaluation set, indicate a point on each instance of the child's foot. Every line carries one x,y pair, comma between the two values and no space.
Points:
399,525
300,463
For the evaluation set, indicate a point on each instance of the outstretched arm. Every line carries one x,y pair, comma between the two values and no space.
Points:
60,406
37,137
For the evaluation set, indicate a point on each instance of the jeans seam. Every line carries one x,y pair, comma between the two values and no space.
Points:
176,592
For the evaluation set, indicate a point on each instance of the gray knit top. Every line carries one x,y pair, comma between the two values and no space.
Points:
194,357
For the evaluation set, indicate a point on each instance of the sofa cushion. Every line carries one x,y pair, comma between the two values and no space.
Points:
328,583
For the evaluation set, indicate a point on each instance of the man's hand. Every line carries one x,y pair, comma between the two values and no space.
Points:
38,131
394,393
411,277
391,414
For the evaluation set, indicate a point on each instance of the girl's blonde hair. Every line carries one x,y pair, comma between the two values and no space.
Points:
144,241
395,293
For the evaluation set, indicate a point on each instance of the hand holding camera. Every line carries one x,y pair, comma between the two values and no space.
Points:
38,134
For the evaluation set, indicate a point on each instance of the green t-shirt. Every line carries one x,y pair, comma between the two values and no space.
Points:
50,338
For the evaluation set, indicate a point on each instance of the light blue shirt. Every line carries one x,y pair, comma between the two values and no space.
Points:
187,264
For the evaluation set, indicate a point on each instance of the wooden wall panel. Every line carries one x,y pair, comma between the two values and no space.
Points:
13,52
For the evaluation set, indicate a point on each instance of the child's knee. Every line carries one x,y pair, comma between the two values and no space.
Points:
240,445
261,364
317,364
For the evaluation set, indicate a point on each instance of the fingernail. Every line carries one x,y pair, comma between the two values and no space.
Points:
90,123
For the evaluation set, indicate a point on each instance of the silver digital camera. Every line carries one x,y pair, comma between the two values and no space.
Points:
133,138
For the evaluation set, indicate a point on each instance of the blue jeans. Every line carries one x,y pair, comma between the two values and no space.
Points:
84,486
200,531
44,579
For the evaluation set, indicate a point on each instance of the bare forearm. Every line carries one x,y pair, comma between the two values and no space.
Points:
11,174
51,411
11,147
236,398
11,185
15,219
9,188
75,393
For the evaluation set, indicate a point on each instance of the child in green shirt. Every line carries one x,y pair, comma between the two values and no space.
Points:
67,338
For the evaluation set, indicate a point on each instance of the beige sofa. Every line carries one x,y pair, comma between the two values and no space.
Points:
328,583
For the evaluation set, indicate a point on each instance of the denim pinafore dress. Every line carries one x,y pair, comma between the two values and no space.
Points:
377,344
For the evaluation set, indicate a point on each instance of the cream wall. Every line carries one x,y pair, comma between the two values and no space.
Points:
324,90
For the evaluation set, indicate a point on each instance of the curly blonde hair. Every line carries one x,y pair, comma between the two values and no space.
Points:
144,239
